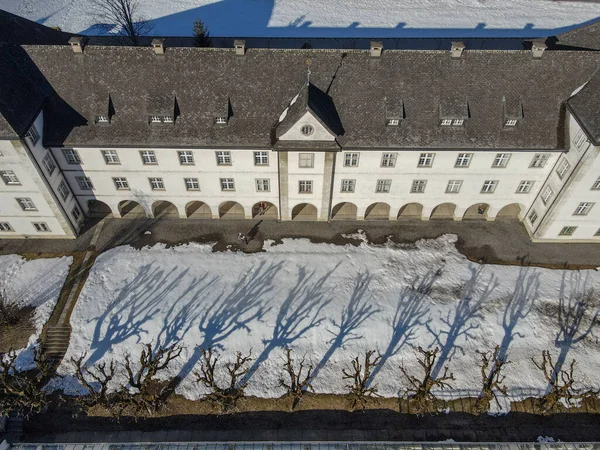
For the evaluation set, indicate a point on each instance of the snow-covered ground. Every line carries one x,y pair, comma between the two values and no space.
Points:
333,303
331,18
35,283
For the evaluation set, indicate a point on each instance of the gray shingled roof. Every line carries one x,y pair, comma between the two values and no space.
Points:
585,106
260,85
586,36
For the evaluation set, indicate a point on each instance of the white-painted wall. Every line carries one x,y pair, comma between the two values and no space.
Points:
320,132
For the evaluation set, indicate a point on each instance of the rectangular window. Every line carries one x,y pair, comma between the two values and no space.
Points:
192,184
580,139
351,159
155,119
489,186
157,184
41,227
26,204
101,119
63,190
227,184
501,160
48,163
186,158
393,122
453,186
463,160
110,157
458,122
547,195
583,209
85,183
221,120
446,122
388,159
263,185
148,157
306,160
418,186
596,184
76,213
563,168
261,158
524,187
167,119
539,160
224,158
71,156
567,231
510,122
121,183
5,226
33,134
383,186
426,159
9,177
305,187
348,185
533,216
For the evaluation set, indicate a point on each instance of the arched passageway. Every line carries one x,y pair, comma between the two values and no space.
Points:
131,209
231,210
378,211
198,210
477,211
445,211
304,211
509,212
344,211
412,211
98,209
164,209
269,211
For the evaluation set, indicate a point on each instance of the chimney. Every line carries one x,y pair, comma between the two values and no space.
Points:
537,48
159,46
240,47
376,49
457,48
77,43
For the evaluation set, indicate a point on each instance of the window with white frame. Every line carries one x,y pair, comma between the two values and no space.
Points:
596,184
580,139
533,216
156,183
261,158
418,186
583,209
453,186
192,184
501,160
223,158
547,195
305,187
348,185
446,122
63,190
458,122
426,159
539,160
76,213
563,168
167,119
524,187
263,185
489,186
393,122
148,157
220,120
463,160
101,119
9,177
567,231
41,227
5,227
155,119
71,156
307,130
383,186
85,184
186,157
306,160
26,204
351,159
111,157
227,184
121,183
33,134
510,122
388,159
48,163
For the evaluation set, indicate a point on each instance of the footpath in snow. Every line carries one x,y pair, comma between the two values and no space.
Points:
333,303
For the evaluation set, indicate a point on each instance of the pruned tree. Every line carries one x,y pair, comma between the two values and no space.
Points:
11,312
121,17
299,382
95,379
201,34
492,379
420,395
360,390
226,394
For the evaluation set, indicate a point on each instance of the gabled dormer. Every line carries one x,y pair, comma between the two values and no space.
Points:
221,110
394,111
162,109
103,110
454,112
512,109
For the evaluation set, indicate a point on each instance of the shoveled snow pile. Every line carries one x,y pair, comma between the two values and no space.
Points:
333,303
36,283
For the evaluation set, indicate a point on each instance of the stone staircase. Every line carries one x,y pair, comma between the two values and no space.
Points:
57,341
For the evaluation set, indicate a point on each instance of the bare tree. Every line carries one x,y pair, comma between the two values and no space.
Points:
227,395
95,379
11,312
419,394
298,383
201,34
121,17
360,390
491,380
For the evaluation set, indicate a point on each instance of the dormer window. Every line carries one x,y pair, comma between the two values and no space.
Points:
446,122
101,119
510,123
393,122
458,122
307,130
155,119
167,119
220,120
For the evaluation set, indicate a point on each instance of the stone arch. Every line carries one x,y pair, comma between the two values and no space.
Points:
97,209
344,211
378,211
443,211
231,210
304,211
478,211
411,211
131,209
164,208
270,211
510,212
198,210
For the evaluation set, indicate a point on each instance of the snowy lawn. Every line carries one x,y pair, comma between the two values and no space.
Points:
333,303
36,283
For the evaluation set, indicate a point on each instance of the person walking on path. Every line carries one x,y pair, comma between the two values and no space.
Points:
261,208
242,238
